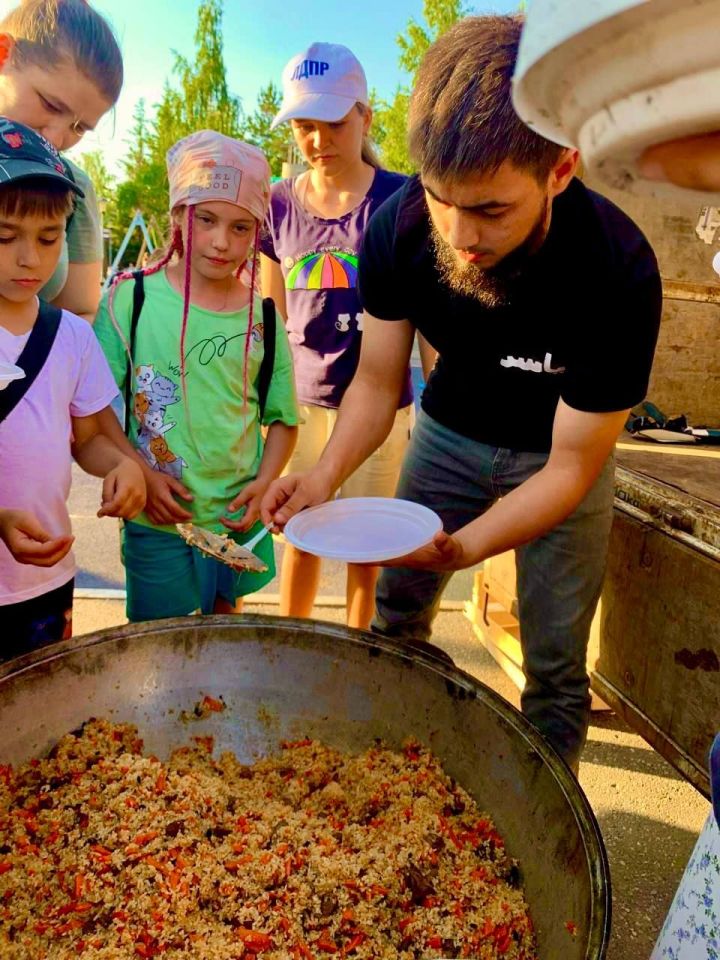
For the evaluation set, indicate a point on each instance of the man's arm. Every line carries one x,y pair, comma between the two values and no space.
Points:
364,420
581,444
123,493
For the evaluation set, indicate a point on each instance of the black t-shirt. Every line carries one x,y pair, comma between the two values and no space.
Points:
581,325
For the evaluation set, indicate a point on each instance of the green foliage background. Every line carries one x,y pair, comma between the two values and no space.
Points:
196,96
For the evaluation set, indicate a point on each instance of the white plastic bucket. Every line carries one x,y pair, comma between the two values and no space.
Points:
613,77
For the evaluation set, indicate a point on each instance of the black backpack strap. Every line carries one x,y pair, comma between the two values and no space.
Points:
268,361
33,357
138,301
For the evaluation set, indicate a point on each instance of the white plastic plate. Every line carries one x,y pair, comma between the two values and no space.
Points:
363,529
8,373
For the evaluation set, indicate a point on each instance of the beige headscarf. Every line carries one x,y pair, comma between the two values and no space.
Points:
209,166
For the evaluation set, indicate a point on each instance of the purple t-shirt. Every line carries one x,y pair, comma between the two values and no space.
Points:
318,259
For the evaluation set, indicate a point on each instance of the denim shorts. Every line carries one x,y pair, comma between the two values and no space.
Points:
167,578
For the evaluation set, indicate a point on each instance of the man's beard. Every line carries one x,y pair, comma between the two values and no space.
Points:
492,287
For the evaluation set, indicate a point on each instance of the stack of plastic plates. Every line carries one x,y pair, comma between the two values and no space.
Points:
613,77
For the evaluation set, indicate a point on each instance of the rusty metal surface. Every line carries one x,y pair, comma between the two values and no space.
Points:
693,292
291,678
659,647
665,504
690,768
695,476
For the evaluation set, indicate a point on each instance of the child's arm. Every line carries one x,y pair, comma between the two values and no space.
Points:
279,445
29,542
123,493
161,506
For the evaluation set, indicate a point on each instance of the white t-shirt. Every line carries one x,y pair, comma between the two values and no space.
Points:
35,458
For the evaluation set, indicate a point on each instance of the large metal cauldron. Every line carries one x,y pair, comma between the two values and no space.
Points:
296,678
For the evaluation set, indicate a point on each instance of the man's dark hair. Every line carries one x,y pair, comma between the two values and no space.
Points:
35,197
462,120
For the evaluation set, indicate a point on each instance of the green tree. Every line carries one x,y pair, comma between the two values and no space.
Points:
390,128
273,143
103,181
439,16
196,97
144,187
390,131
203,100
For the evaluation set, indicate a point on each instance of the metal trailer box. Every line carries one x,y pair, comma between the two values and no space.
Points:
654,654
658,656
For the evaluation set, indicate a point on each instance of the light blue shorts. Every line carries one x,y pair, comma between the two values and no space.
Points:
167,578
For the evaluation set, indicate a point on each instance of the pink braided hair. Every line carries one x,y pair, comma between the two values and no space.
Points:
183,328
248,340
176,246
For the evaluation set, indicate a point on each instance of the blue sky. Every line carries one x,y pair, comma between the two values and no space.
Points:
259,38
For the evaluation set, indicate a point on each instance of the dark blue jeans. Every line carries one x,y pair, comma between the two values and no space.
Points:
31,624
559,575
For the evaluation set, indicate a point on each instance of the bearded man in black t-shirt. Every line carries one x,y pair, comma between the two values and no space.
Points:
542,301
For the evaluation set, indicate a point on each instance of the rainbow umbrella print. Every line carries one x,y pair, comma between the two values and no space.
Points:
324,271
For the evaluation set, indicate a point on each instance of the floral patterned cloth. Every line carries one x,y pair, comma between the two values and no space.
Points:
692,927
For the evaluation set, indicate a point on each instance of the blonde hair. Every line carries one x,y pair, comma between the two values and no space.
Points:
48,32
369,154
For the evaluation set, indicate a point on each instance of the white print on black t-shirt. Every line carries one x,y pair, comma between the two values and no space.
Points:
343,322
534,366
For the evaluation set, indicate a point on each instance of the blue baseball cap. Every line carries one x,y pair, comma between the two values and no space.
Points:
25,155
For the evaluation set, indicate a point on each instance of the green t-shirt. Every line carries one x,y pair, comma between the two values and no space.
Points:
224,451
83,241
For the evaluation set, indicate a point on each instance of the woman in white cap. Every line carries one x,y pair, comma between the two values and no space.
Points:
310,249
187,340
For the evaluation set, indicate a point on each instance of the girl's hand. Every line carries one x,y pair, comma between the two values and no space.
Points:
124,492
162,508
29,542
250,498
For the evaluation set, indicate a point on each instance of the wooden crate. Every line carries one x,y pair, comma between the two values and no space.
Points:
493,612
654,654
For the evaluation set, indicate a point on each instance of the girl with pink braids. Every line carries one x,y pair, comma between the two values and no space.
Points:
185,339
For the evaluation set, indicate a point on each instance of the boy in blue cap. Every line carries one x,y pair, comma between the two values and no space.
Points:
48,413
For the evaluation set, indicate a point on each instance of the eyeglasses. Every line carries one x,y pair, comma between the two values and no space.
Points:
76,125
101,135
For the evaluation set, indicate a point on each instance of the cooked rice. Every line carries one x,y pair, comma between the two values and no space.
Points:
111,855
